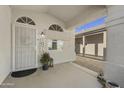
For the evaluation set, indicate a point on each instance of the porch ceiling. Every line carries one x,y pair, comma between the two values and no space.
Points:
65,13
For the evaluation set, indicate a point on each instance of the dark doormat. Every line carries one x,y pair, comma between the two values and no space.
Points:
23,73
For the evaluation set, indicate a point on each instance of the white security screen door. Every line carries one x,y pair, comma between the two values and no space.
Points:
24,47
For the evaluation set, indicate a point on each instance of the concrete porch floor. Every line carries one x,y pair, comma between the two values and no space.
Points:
92,57
92,64
66,75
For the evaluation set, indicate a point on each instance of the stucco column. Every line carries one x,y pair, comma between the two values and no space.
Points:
83,45
104,39
104,45
114,67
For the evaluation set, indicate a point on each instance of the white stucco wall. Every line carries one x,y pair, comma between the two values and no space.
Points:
5,42
81,48
68,53
100,49
90,49
114,69
43,21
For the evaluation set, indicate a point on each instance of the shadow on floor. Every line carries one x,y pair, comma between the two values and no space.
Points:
92,64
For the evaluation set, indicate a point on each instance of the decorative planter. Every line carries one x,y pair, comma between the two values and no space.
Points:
45,67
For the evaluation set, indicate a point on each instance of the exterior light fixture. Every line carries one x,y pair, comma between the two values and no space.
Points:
42,34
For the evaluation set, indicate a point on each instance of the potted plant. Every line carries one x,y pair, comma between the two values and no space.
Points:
101,79
45,58
51,62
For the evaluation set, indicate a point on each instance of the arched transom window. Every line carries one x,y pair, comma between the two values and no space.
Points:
25,20
55,27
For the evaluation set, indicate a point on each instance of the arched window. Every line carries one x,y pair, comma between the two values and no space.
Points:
25,20
55,27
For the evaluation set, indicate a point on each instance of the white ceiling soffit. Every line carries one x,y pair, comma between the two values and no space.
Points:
35,8
62,12
65,13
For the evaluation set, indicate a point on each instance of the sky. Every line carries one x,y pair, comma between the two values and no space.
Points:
91,24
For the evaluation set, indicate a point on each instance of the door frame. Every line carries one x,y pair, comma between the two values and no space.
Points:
13,45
